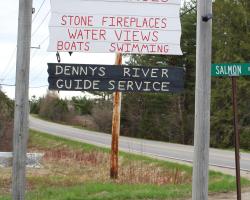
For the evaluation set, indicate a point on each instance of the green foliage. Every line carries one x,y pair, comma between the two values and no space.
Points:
230,44
35,105
82,105
53,108
6,122
169,117
152,116
40,139
172,118
102,115
245,138
165,116
112,190
231,31
6,107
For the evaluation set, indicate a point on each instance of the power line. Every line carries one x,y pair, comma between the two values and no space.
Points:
13,85
39,86
37,75
38,11
40,24
187,11
11,68
3,84
45,39
6,70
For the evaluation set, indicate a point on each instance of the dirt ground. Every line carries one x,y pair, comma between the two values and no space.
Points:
231,196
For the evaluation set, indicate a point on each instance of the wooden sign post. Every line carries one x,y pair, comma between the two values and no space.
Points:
124,26
117,79
115,128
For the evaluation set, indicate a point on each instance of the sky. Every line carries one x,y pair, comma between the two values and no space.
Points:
39,57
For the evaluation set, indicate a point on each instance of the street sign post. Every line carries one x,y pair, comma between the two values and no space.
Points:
237,137
233,70
116,26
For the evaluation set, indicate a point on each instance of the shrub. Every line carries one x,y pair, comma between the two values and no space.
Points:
82,105
102,114
245,138
35,105
6,122
55,109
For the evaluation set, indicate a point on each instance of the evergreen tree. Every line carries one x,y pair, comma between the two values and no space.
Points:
166,116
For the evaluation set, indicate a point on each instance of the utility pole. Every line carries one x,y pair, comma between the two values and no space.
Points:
115,128
202,100
21,127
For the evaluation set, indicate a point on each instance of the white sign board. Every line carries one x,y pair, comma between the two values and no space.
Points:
109,26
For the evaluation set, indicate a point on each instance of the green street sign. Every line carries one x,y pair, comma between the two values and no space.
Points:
230,69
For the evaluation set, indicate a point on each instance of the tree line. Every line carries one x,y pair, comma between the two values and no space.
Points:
166,116
170,117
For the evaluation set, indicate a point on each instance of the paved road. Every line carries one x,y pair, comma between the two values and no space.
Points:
184,153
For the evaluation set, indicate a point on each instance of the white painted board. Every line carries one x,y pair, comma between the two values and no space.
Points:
108,26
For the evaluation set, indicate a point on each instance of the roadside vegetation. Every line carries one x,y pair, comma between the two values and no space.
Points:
93,114
74,170
170,117
6,122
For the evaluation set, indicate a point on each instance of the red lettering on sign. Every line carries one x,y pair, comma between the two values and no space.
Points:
86,34
136,35
72,46
74,20
134,22
138,48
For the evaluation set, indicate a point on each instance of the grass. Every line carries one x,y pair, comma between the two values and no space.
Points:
109,191
74,170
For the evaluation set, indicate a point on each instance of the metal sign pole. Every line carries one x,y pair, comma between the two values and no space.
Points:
115,128
237,137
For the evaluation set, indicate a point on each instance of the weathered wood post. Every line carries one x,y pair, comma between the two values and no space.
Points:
21,99
202,100
115,128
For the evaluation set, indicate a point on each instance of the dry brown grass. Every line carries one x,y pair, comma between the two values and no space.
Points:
67,167
5,180
84,121
141,173
77,166
63,165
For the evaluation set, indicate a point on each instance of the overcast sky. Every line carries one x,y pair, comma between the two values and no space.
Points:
39,57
